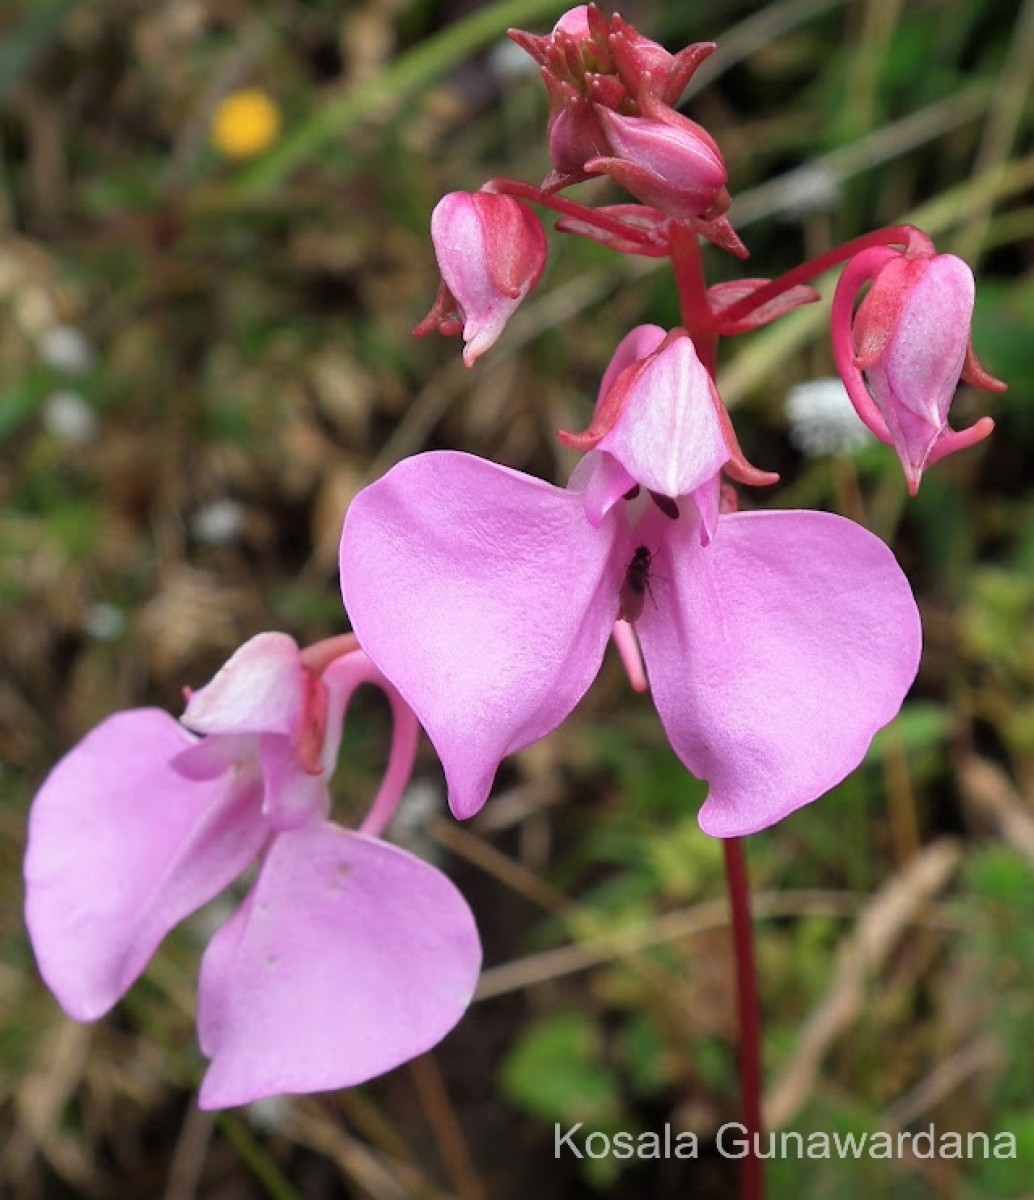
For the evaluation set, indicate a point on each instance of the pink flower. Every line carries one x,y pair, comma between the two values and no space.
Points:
491,250
911,338
777,643
348,955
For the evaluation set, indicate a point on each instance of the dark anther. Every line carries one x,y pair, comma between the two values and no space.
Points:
666,505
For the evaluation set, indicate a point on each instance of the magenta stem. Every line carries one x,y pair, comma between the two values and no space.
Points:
579,212
752,1181
892,235
692,289
698,319
343,676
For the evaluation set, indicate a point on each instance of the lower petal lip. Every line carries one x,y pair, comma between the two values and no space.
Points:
771,673
508,593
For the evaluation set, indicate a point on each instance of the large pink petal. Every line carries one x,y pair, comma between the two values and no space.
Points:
121,848
486,597
348,957
774,657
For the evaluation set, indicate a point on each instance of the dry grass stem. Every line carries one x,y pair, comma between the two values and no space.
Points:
862,955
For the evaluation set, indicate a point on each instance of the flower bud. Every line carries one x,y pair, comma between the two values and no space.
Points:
491,250
575,134
643,64
666,161
911,338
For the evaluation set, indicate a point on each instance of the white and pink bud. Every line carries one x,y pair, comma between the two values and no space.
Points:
661,420
491,250
666,161
911,338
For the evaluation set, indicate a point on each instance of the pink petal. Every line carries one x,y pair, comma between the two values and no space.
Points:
639,342
121,848
486,597
634,346
348,957
921,365
261,689
291,796
787,643
209,757
575,22
668,436
602,483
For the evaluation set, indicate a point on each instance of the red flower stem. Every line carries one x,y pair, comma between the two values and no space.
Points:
904,235
752,1182
692,288
580,212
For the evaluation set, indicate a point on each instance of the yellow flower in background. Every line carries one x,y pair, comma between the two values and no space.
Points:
245,123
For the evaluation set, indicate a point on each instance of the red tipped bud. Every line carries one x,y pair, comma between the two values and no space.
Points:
491,250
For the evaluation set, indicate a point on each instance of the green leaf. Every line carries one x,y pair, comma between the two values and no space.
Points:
556,1071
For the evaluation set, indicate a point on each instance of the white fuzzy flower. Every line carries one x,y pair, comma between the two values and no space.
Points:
67,349
218,523
823,420
68,417
104,622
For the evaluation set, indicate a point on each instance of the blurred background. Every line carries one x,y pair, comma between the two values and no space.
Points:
213,247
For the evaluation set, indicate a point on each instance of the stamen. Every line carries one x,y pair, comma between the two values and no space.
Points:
666,504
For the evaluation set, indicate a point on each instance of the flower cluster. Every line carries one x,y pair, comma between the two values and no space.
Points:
775,643
611,96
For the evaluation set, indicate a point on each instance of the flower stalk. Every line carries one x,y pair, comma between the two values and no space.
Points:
748,1012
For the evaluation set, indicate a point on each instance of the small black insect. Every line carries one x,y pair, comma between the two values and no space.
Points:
636,585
